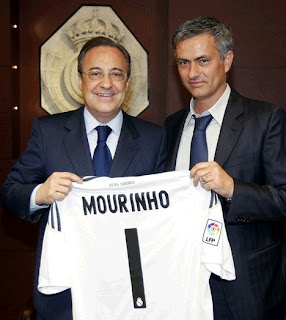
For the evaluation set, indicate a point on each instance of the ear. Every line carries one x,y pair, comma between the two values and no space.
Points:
80,80
228,61
127,84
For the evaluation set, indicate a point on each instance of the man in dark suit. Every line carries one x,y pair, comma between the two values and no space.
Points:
246,167
61,148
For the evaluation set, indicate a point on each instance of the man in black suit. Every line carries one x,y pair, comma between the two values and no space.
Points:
61,148
246,167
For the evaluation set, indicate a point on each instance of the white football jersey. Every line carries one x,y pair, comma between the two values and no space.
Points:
136,248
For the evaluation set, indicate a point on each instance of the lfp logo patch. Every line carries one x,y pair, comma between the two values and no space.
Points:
213,228
212,232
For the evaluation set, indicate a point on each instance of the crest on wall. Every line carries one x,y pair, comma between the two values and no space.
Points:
60,90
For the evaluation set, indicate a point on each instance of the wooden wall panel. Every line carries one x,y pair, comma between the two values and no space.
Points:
16,276
261,83
5,31
5,112
5,83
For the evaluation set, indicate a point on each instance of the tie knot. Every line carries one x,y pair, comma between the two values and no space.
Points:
103,133
201,123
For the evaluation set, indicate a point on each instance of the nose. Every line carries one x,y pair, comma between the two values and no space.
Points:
194,71
106,81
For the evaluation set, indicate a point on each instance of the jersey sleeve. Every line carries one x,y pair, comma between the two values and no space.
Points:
216,251
54,274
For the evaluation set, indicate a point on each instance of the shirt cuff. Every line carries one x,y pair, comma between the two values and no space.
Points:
33,206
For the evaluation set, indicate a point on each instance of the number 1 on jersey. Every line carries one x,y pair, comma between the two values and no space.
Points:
135,268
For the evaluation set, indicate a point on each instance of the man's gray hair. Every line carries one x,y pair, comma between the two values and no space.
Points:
205,25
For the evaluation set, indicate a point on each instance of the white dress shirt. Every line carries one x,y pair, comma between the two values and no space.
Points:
212,131
91,123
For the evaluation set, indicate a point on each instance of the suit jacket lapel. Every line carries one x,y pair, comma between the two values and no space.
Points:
126,148
174,129
231,127
76,144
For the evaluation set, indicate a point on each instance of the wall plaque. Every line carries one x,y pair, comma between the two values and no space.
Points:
60,90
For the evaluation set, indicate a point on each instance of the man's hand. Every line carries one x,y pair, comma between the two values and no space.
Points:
56,187
212,177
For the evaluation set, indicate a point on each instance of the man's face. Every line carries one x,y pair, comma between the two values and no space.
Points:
103,97
201,70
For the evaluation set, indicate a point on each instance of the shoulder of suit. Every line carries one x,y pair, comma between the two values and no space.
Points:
62,115
252,102
61,121
251,108
178,116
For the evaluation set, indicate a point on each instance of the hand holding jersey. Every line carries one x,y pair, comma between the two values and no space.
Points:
213,177
56,187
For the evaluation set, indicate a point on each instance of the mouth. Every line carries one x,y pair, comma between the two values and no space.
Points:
196,84
105,94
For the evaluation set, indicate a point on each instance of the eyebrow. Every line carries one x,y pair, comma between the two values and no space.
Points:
112,69
202,57
182,59
196,59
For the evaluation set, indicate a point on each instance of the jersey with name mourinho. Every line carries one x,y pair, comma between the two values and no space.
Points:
136,248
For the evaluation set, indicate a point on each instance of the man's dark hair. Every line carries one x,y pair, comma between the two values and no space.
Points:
102,42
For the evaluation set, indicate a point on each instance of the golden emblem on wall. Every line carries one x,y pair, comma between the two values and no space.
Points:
60,90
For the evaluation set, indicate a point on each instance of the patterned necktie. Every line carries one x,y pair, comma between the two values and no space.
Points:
102,159
199,148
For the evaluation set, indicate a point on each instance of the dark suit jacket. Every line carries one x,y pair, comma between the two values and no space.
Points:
251,149
59,143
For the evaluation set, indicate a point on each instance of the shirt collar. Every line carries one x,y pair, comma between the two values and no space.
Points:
217,110
90,122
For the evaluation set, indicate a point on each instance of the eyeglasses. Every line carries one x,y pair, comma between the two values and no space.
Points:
114,75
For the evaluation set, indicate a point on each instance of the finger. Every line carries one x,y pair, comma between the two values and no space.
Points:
58,195
202,176
196,180
207,186
75,178
62,189
203,179
68,175
199,166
